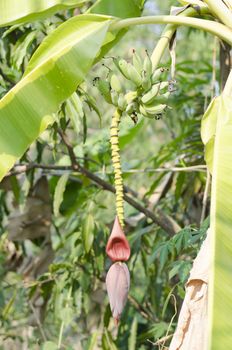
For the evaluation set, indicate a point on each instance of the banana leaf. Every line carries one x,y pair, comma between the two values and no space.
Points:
67,54
118,8
220,293
21,11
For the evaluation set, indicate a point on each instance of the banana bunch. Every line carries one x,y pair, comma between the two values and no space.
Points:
150,94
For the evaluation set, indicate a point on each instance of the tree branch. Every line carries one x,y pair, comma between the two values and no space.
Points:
159,218
163,221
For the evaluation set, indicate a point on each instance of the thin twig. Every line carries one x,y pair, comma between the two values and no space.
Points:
164,222
172,319
161,340
22,168
38,321
144,313
171,169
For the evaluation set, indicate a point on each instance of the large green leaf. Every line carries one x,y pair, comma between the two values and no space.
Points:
56,69
221,228
21,11
118,8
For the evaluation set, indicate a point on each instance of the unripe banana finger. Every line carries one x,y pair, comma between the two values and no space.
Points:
131,108
115,83
104,88
114,97
161,99
121,102
134,76
150,95
146,81
157,74
144,112
147,65
123,67
155,109
137,62
131,96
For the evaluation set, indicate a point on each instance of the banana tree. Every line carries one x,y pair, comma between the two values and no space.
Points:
62,62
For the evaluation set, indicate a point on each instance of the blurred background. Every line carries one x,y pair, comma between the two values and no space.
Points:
54,223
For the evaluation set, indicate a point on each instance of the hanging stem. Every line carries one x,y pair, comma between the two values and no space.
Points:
114,130
212,27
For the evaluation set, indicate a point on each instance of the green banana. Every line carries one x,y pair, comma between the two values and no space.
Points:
135,77
144,112
137,62
104,88
157,74
115,83
131,108
147,65
114,97
123,67
162,98
146,81
121,102
151,95
131,96
155,109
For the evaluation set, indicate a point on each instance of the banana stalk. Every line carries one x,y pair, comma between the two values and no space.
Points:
114,130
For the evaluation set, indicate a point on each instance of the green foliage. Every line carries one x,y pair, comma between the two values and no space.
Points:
58,274
219,116
14,12
44,73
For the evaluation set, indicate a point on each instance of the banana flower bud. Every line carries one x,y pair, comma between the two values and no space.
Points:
117,247
117,284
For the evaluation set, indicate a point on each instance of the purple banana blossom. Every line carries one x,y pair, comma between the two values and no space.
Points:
118,248
117,284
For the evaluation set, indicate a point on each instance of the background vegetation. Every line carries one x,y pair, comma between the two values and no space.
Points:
55,222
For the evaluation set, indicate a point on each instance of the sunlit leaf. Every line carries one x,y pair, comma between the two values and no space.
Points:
59,193
221,229
55,70
119,8
14,11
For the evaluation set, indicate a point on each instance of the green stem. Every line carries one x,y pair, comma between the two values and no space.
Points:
220,10
212,27
168,33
